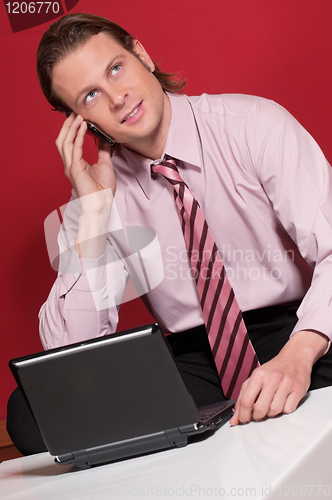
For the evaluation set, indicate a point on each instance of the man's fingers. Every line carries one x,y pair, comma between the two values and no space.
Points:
256,396
63,132
278,402
271,384
69,145
235,418
266,396
292,402
253,399
278,385
77,151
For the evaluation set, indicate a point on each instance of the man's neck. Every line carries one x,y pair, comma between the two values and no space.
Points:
152,151
153,147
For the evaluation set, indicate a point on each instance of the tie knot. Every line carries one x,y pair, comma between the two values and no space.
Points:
169,170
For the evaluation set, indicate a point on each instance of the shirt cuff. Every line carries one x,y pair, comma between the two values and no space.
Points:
318,320
84,275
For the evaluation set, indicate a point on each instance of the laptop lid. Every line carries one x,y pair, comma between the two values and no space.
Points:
113,389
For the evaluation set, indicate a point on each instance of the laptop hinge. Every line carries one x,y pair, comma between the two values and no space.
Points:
177,437
128,448
79,458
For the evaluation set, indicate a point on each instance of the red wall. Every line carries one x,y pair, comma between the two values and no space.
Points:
280,49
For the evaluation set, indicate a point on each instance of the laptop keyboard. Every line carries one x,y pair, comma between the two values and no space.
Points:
208,412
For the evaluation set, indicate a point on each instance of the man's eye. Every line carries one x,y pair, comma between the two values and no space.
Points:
115,69
90,96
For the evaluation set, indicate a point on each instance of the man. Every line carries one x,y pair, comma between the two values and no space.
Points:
261,181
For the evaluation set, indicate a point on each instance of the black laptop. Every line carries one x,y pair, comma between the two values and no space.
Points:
111,398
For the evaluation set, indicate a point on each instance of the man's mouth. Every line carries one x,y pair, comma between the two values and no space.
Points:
132,113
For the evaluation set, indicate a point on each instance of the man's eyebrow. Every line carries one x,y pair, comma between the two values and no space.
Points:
88,88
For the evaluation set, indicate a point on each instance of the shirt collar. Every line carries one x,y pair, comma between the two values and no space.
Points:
183,143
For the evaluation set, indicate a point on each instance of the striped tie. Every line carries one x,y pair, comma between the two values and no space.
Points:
232,350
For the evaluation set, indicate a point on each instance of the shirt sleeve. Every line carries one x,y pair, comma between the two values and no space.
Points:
85,298
297,179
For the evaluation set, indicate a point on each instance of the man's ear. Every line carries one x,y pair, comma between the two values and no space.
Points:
143,55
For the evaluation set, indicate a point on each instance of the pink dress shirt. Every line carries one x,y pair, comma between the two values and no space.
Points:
265,189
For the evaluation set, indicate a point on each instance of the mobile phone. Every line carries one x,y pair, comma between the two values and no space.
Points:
96,133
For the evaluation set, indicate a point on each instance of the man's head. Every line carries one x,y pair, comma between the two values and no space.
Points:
69,33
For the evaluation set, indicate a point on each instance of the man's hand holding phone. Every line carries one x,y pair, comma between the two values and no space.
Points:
95,185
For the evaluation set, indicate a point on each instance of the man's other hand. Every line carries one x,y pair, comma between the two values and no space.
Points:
279,385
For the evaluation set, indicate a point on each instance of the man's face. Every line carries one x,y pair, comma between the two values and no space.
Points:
112,89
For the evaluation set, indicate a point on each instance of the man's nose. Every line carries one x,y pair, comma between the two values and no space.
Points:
116,97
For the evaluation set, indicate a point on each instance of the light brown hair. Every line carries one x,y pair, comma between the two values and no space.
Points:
71,31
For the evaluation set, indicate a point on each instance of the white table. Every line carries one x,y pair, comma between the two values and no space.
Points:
285,457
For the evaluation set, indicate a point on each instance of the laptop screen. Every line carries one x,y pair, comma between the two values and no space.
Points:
105,390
